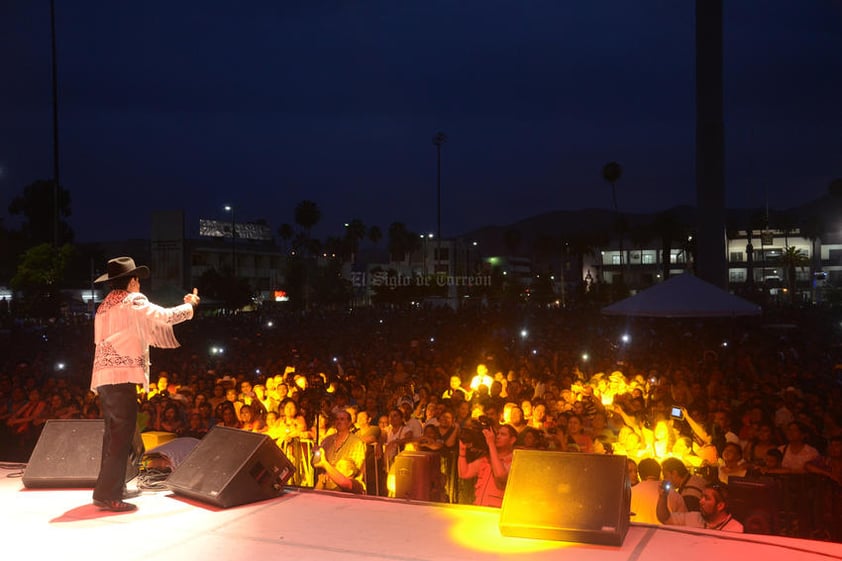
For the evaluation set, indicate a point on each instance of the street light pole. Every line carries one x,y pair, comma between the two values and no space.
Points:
425,238
424,254
56,175
230,209
439,139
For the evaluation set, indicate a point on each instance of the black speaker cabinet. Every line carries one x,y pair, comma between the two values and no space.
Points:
418,476
567,496
68,454
169,454
756,502
230,467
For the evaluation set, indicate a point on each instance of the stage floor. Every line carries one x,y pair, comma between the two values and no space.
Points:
309,525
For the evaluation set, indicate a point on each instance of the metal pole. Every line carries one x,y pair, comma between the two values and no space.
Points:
230,209
711,262
424,258
56,175
438,201
233,243
439,139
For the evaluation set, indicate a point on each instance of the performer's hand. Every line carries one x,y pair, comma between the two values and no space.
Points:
192,299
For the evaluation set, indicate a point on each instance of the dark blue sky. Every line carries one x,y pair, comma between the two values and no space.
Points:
260,104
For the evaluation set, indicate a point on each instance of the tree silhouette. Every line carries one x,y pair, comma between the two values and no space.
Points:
286,233
669,230
812,229
307,215
786,224
38,277
399,244
39,217
375,234
334,247
793,259
233,292
354,234
640,236
612,172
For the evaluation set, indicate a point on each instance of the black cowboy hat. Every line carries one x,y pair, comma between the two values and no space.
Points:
120,267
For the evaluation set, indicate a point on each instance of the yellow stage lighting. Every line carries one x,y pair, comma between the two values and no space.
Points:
480,530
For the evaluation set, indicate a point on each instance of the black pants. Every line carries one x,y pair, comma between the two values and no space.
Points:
119,410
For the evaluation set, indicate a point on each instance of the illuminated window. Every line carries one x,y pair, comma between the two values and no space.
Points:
737,276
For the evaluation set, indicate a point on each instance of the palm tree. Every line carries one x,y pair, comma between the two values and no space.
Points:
375,234
334,247
786,224
667,227
354,233
640,236
812,228
307,215
791,260
611,172
398,241
759,221
413,244
285,232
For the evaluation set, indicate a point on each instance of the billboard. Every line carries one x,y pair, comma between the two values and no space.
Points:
244,230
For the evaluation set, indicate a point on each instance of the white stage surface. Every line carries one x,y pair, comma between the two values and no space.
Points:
304,525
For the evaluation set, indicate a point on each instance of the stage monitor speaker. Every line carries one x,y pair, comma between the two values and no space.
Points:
418,476
756,502
169,455
567,496
230,467
154,438
68,454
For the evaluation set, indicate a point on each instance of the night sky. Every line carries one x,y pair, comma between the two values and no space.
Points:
259,104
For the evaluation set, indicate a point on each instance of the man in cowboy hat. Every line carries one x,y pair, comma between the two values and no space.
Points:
125,326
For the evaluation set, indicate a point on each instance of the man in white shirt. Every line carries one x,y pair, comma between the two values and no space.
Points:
125,326
645,495
714,514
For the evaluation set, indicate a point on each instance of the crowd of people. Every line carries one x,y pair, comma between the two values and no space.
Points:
702,405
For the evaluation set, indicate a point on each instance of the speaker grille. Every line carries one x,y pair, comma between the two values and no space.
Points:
68,454
567,496
230,467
